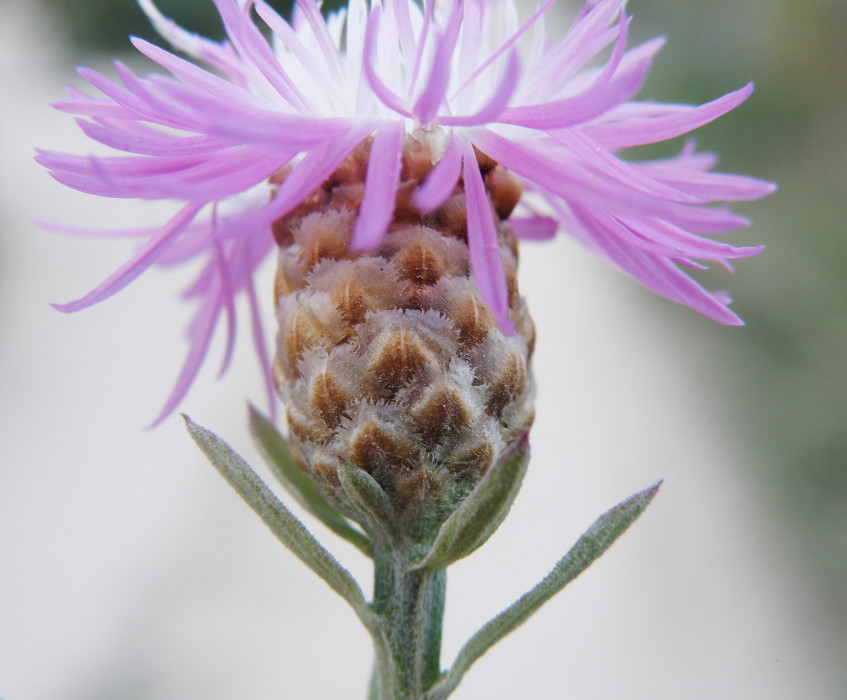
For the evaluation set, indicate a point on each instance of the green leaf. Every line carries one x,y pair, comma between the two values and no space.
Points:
298,483
596,540
288,529
480,514
368,498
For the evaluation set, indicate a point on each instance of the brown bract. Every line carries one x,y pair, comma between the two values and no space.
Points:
388,360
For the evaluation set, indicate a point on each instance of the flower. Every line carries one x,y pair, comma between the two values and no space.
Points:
469,73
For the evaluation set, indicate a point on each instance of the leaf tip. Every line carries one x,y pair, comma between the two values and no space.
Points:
193,429
650,492
255,417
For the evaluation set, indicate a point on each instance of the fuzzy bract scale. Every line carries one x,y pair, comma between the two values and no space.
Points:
388,360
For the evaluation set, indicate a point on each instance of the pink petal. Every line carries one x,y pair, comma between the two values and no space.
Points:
441,181
607,164
319,28
472,28
535,228
388,98
575,183
565,179
505,46
634,132
307,176
249,42
97,107
97,233
486,263
153,143
657,274
665,240
712,186
242,258
492,109
430,99
127,272
189,179
291,41
383,175
606,92
125,97
200,339
222,265
398,10
219,56
193,74
584,39
419,47
260,344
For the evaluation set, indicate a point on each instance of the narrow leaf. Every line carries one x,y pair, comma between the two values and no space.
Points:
596,540
298,483
481,513
287,528
367,496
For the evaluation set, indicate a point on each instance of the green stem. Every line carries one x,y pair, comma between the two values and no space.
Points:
409,606
373,686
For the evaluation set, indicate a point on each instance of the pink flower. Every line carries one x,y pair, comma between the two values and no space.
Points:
472,73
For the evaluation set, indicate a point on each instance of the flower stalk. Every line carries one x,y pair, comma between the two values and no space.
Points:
409,603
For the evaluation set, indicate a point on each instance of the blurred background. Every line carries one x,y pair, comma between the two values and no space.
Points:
129,571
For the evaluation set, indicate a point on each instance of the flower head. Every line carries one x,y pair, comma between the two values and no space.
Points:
245,139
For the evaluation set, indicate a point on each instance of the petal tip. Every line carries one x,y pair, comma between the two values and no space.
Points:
64,308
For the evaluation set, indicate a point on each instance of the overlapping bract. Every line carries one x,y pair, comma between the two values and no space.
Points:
554,113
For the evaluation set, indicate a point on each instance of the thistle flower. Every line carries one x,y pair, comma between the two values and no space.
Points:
394,154
440,114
